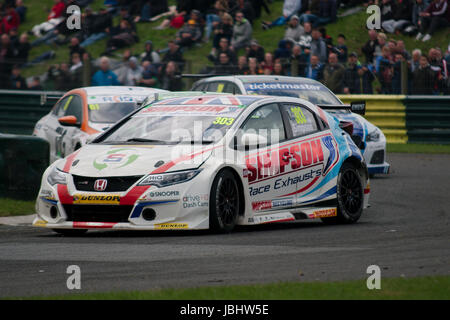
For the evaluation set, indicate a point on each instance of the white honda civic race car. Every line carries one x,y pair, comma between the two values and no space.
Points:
86,111
369,138
210,161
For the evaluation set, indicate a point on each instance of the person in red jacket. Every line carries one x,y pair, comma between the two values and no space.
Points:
57,10
435,16
10,20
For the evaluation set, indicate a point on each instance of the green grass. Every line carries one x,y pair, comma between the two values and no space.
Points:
11,207
418,148
435,287
352,26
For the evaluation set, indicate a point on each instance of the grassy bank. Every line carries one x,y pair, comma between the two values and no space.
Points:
435,287
12,207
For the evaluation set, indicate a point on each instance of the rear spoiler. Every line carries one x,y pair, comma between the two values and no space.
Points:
358,107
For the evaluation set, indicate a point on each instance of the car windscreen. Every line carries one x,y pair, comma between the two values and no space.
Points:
171,124
314,93
110,112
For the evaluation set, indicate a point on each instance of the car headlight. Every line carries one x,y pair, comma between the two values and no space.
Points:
168,179
373,136
56,176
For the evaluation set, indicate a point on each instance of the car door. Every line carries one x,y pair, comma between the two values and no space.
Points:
266,165
312,149
59,136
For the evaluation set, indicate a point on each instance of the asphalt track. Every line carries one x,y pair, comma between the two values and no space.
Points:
406,232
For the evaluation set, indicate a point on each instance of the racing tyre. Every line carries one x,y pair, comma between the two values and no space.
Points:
350,196
224,202
71,232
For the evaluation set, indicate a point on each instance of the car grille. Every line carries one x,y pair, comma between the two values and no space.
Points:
97,213
377,157
115,184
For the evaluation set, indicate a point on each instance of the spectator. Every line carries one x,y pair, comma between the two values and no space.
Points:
369,47
437,15
315,68
224,29
284,50
242,32
55,17
213,18
189,34
6,56
17,81
255,51
76,71
63,81
383,65
278,69
22,49
149,75
121,36
294,30
302,57
224,47
333,74
318,46
131,73
423,78
401,16
400,48
253,67
418,7
387,11
75,47
290,7
225,67
415,60
174,54
341,49
381,38
101,26
321,12
268,63
36,84
306,38
149,9
11,20
149,54
21,10
352,81
104,76
242,67
170,78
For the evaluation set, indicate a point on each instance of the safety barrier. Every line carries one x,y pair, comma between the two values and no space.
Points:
408,119
20,110
23,160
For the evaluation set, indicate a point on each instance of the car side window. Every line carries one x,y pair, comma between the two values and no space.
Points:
62,106
200,87
266,121
230,87
74,107
302,121
216,86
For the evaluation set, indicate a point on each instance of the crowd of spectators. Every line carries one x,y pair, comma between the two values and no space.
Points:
305,50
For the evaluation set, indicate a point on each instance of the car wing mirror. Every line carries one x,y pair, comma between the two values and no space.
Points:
69,121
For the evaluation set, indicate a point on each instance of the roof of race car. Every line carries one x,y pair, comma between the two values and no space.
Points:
212,99
118,90
264,78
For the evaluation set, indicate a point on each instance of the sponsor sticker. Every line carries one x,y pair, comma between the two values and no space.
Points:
261,205
96,199
40,223
324,213
163,226
156,194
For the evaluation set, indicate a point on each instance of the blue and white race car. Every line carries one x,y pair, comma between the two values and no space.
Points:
369,138
209,161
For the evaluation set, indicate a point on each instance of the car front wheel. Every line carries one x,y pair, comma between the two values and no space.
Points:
350,196
224,202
